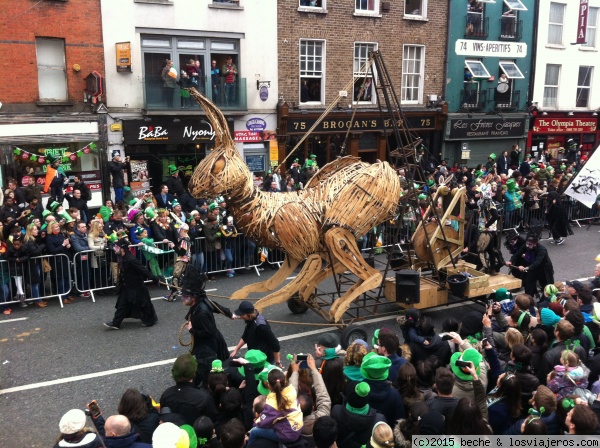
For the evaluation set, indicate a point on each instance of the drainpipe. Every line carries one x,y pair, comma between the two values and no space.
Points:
533,50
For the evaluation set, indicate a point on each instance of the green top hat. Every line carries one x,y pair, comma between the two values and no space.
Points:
255,357
51,159
469,354
54,205
375,367
149,212
492,156
312,156
172,169
112,238
45,214
263,377
217,366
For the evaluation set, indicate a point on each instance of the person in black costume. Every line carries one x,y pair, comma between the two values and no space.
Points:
534,264
208,342
134,298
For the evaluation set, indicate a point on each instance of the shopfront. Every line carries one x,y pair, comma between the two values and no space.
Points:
364,134
551,132
25,147
469,139
153,143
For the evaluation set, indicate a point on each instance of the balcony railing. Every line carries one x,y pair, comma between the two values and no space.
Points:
472,97
476,26
226,96
510,28
507,100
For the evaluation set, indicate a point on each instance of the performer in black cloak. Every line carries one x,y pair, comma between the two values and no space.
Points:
208,342
133,298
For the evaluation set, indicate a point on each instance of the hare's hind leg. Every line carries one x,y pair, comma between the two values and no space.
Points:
288,266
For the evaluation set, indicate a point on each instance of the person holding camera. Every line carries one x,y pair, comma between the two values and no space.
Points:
116,168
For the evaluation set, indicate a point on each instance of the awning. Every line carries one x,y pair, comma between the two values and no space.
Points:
515,5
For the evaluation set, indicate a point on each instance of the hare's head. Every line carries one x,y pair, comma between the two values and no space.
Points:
221,172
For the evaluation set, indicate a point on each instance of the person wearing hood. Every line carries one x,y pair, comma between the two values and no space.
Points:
208,342
134,298
556,215
355,418
534,264
382,396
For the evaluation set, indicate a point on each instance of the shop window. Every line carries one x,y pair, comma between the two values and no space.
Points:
415,8
551,85
312,58
555,23
51,67
364,89
367,6
583,86
76,158
413,63
592,23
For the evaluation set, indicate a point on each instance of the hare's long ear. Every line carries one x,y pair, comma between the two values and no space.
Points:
216,118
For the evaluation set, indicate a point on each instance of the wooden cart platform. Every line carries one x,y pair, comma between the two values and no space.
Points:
432,295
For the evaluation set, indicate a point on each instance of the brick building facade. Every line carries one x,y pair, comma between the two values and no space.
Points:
48,50
339,35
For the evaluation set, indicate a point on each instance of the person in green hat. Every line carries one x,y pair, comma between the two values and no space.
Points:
383,397
469,370
491,162
174,182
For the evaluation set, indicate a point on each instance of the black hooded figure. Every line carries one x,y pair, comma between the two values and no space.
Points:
208,342
133,298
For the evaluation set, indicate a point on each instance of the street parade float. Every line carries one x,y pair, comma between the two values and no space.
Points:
317,228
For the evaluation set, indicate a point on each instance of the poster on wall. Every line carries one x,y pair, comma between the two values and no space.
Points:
140,182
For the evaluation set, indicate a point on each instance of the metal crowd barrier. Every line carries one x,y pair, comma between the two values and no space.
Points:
93,271
235,254
53,283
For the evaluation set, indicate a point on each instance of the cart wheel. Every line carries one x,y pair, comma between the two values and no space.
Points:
296,306
350,334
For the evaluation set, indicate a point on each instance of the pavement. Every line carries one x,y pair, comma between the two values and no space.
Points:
53,359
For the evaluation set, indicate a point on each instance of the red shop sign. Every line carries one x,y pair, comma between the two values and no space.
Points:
564,125
247,136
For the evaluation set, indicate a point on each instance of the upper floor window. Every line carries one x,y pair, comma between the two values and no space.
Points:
551,85
413,63
312,3
583,86
312,58
51,67
592,23
367,6
364,90
515,5
416,8
555,23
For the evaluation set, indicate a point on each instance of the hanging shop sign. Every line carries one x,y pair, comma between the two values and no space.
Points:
478,128
123,52
163,130
582,22
564,125
358,124
485,48
256,124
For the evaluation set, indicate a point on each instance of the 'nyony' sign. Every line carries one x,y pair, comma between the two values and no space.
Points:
161,130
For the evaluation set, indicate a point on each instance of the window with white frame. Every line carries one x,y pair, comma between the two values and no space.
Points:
312,63
51,68
551,85
555,23
413,63
583,86
312,4
416,8
592,24
366,6
364,89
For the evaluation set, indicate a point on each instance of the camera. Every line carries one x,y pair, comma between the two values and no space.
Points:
301,358
460,363
95,411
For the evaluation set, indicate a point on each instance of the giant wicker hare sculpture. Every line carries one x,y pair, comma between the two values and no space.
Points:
319,224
